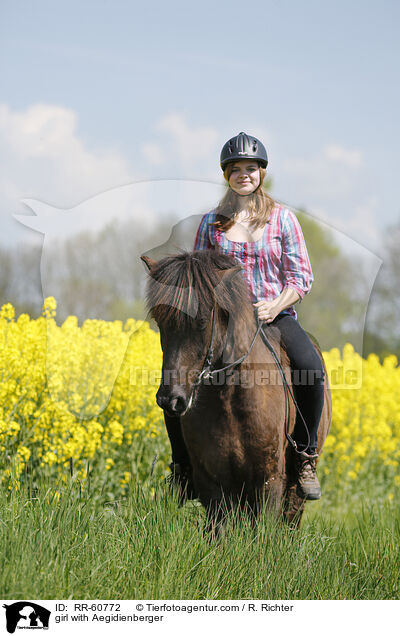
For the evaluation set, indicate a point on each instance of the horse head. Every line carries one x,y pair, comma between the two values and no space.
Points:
182,292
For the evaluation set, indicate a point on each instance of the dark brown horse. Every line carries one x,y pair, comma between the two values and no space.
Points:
233,422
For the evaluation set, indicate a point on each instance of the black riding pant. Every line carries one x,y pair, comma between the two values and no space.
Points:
307,381
307,378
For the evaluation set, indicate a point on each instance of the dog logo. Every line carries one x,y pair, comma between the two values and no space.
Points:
26,615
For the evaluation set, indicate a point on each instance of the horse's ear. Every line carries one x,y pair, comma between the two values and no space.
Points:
149,262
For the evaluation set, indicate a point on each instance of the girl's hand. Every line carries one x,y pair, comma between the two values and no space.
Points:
267,310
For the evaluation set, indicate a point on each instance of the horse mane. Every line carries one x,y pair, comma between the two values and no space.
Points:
183,288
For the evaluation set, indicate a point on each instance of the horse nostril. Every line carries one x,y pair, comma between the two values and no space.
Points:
174,405
177,405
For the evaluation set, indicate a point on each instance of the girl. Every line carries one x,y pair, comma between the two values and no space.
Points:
268,242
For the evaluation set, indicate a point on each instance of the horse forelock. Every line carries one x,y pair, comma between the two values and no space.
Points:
183,288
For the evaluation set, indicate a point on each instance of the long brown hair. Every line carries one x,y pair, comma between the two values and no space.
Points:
260,204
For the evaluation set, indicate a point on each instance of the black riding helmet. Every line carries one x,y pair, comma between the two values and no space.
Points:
243,147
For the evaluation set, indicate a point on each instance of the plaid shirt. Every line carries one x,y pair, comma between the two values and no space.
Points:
277,260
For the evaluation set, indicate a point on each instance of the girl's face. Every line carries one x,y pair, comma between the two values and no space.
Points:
245,177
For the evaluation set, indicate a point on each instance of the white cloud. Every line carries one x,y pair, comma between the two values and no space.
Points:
45,160
331,169
189,144
330,176
39,131
360,222
350,158
43,157
48,133
333,184
326,166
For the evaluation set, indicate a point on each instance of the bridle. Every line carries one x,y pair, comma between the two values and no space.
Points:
208,373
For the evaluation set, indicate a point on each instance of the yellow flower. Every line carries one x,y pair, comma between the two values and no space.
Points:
88,393
49,307
24,452
7,312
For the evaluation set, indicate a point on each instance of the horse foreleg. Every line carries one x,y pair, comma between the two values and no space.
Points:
216,515
293,507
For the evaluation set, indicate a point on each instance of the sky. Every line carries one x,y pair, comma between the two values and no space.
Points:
99,96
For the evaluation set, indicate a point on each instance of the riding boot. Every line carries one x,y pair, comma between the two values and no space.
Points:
308,486
181,469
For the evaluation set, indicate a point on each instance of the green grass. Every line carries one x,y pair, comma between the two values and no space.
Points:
146,546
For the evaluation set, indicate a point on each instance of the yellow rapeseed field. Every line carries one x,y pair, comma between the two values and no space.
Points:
83,399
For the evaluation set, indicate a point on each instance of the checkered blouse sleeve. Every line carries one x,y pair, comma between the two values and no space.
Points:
296,266
202,240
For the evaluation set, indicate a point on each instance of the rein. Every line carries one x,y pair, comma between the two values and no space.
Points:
208,373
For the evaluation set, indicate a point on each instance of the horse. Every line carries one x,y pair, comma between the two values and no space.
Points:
235,405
